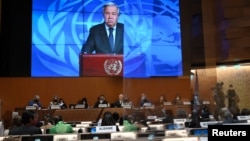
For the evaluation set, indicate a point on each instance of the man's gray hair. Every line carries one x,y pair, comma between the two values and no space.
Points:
111,4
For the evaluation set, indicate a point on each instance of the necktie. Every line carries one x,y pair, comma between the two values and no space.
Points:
111,38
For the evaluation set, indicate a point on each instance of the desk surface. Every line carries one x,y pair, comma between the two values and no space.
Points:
94,114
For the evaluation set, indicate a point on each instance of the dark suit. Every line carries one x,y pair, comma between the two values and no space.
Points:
25,130
98,40
143,101
117,103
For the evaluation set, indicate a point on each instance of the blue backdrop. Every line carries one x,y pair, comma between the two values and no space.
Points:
152,40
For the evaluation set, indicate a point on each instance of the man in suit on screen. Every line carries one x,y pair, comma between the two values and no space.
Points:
106,37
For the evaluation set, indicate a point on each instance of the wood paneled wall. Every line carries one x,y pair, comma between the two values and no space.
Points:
222,35
220,32
235,22
16,92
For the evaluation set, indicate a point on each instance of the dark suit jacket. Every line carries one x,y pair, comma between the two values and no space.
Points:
25,130
116,104
98,40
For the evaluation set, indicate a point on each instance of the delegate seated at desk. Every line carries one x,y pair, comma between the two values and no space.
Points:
144,100
178,100
101,100
99,39
118,103
29,125
84,102
60,102
35,102
162,100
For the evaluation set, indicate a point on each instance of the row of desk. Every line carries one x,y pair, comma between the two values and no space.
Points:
94,114
125,136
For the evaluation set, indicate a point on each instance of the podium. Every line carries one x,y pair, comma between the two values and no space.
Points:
101,65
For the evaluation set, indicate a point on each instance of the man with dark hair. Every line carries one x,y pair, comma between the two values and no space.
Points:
28,127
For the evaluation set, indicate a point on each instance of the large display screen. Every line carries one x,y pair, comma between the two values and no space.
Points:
152,36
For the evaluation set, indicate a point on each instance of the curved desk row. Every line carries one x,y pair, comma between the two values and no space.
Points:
94,114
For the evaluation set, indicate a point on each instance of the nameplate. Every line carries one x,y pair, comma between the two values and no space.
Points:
186,103
127,106
64,137
205,124
30,108
80,106
105,129
152,117
147,104
86,122
176,133
179,120
103,105
82,125
167,103
206,102
149,107
124,136
247,117
55,107
157,126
